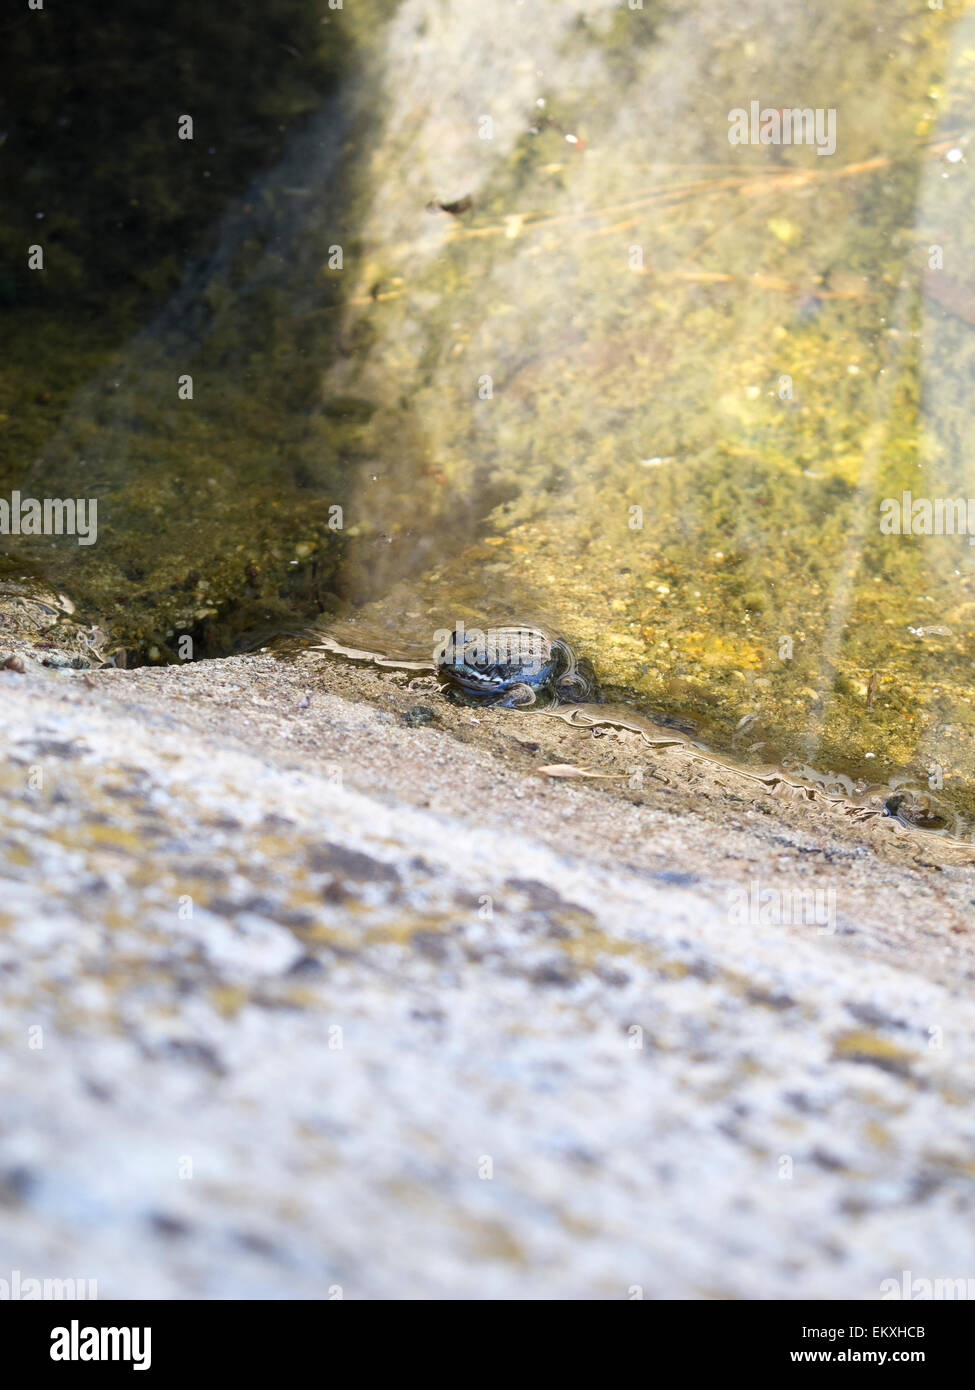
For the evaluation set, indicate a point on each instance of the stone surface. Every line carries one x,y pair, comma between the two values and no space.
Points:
298,997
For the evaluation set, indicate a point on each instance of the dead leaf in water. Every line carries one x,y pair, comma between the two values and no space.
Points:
567,770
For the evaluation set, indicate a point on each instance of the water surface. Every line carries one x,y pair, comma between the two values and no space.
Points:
648,387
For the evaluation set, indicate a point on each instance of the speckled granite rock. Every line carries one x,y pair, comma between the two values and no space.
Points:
299,998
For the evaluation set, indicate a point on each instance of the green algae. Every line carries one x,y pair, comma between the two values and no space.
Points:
755,387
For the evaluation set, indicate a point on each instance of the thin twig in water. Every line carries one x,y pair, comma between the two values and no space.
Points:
871,687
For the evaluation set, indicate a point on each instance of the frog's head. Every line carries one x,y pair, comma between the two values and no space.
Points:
494,660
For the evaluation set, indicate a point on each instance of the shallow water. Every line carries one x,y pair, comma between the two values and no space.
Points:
650,389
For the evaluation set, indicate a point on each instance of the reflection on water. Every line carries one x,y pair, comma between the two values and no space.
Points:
588,362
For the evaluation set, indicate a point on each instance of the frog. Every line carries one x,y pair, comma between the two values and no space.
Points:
513,666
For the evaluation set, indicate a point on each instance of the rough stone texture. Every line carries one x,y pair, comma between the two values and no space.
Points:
440,1026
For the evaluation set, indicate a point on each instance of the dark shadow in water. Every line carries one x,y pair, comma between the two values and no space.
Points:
169,350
